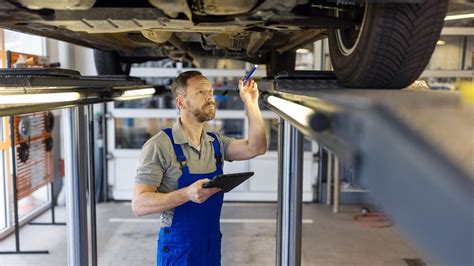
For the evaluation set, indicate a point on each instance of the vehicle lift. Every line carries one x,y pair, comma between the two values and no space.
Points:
15,84
414,145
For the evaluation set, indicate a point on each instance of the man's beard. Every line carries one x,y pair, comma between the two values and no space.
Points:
205,113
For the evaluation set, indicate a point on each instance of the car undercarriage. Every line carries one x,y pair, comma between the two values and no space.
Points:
392,40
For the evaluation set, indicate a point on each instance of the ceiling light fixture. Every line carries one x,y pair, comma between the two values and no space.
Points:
303,51
299,113
459,16
39,98
136,94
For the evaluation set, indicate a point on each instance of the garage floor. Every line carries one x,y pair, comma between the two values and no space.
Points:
249,238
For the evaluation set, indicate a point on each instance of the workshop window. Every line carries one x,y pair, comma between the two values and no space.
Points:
28,206
24,43
228,127
132,133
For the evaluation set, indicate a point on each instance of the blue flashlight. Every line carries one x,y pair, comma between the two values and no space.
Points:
250,74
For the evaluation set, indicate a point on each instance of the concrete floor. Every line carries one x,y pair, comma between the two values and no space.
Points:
328,239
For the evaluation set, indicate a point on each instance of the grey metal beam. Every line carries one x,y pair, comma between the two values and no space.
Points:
329,179
105,173
279,227
429,199
91,179
291,198
76,182
337,185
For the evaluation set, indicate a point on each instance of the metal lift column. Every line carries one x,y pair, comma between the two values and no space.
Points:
21,84
76,182
289,195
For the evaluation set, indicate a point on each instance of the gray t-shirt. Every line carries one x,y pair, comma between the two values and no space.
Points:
159,167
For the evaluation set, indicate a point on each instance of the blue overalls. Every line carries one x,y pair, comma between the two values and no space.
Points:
194,237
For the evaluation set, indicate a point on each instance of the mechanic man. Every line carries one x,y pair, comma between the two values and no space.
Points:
175,163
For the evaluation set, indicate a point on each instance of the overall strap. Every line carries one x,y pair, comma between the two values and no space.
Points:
217,150
177,149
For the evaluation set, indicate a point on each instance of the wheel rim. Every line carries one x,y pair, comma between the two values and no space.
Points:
348,39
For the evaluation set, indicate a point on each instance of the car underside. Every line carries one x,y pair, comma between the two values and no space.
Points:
393,40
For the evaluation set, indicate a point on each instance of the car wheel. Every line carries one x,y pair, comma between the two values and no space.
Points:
390,45
280,62
110,63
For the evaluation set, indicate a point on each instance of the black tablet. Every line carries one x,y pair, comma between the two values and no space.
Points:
228,182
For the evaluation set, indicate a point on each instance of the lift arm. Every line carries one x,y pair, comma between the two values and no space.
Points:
414,145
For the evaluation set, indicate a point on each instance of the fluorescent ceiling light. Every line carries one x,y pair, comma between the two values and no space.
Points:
296,111
139,92
440,42
40,98
460,16
302,51
136,94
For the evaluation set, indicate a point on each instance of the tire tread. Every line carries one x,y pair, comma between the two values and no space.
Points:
405,38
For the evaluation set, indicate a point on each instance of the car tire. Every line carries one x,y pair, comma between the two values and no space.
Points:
280,62
110,63
392,47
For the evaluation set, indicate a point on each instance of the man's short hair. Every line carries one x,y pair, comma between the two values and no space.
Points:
179,84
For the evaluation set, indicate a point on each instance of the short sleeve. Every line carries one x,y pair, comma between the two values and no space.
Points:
150,166
225,141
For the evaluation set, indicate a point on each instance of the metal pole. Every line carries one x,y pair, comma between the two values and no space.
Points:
463,53
15,190
323,56
281,135
76,181
53,202
337,187
320,173
329,179
291,196
105,172
93,223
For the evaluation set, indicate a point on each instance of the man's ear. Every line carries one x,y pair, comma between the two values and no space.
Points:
179,102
